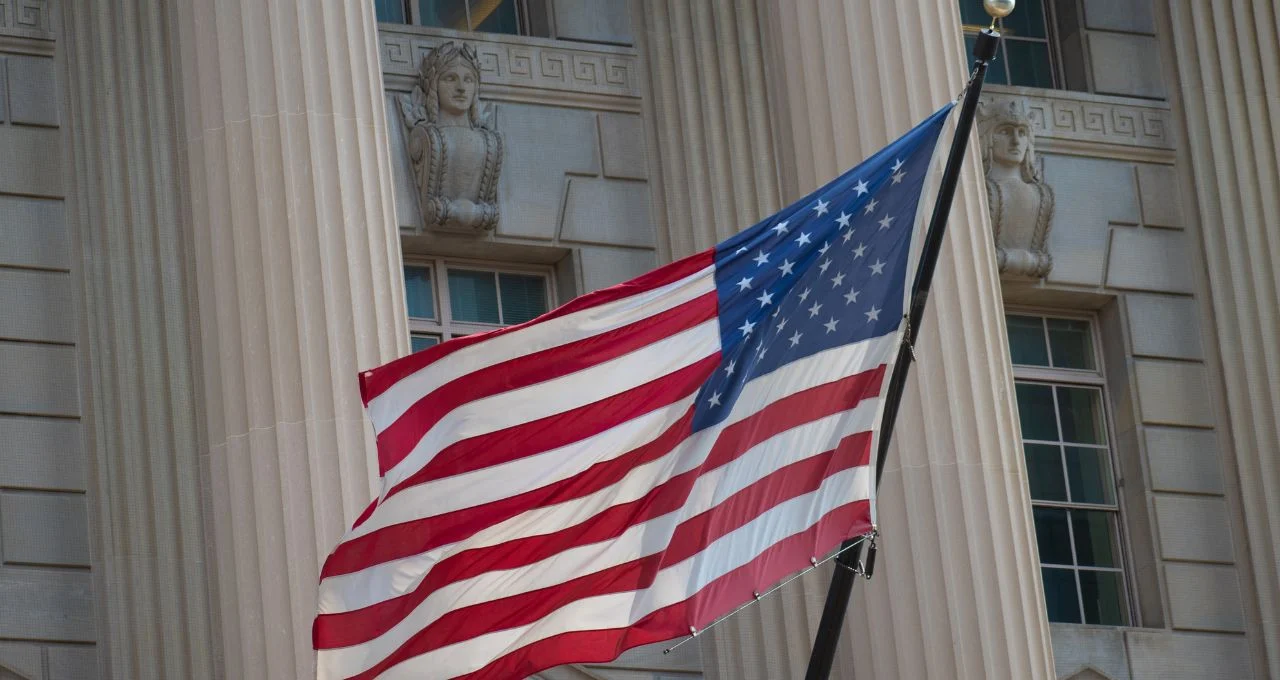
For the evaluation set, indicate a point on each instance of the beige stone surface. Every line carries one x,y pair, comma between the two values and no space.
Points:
1158,190
604,266
592,20
1141,75
1193,528
1130,16
606,211
40,173
1158,655
622,145
1204,597
32,89
42,453
1173,393
33,233
1183,459
48,374
1078,647
1149,259
1090,195
38,527
1164,326
544,144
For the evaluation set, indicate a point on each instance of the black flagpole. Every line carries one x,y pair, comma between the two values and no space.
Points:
847,567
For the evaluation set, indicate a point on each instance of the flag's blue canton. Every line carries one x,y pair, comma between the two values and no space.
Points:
828,270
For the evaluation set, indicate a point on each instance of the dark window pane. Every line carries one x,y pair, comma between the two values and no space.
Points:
494,17
1026,340
972,14
997,74
1028,63
1060,595
1071,343
390,11
1081,412
1103,598
1052,535
523,297
1095,538
473,296
443,13
418,296
1027,22
417,342
1044,472
1089,475
1035,412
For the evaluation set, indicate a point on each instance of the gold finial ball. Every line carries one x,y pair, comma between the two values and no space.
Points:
999,9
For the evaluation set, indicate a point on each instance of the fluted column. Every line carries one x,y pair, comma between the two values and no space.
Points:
128,210
1225,63
298,288
957,592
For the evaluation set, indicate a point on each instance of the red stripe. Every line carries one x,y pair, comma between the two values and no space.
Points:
416,537
398,439
375,381
689,538
719,597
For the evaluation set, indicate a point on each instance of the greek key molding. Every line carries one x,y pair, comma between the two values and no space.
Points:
520,62
26,19
1080,117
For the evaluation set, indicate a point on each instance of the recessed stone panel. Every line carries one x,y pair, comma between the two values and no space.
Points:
622,143
1089,195
603,266
603,21
1204,597
544,144
1076,647
46,375
33,90
40,172
1151,260
33,233
1194,528
607,211
72,663
47,604
1173,393
1164,326
1131,16
1165,655
48,528
1158,189
1182,459
41,453
1126,64
37,306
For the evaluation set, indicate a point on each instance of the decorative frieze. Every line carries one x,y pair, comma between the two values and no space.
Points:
26,19
1081,117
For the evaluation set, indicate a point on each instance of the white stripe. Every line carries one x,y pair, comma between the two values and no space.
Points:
353,591
674,584
387,407
555,396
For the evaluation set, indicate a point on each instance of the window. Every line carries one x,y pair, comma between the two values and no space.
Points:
1065,438
517,17
1025,57
449,299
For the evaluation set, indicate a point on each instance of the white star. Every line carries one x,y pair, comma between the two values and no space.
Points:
871,207
760,354
825,247
785,267
728,370
824,265
886,221
851,296
821,207
831,325
839,279
897,177
744,284
858,252
741,250
873,315
813,311
714,400
802,239
795,339
761,257
766,299
804,295
848,235
843,219
861,188
878,267
782,324
897,166
747,327
780,227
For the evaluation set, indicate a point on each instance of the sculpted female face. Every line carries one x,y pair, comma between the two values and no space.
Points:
1009,143
456,89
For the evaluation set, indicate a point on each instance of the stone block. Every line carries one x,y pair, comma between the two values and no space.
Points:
48,528
1204,597
1173,393
604,266
22,659
1140,74
33,233
1150,259
1161,199
543,145
1194,528
1130,16
40,172
37,306
33,90
607,211
47,604
1165,655
73,663
1089,195
622,145
47,374
602,21
408,213
1166,327
41,453
1076,647
1184,460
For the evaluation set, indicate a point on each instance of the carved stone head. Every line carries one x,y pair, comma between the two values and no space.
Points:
1021,201
450,81
1007,137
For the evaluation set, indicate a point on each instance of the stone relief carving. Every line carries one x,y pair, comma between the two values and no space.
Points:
455,150
1020,200
26,18
1065,116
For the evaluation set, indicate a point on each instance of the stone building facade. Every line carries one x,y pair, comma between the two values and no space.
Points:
212,217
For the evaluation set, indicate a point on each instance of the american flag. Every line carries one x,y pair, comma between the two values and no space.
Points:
636,463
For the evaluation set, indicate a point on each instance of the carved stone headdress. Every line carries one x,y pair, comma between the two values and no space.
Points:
994,116
423,105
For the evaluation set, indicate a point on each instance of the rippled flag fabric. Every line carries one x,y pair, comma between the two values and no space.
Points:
636,463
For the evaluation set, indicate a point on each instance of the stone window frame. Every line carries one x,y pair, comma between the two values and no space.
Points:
1064,24
443,326
1095,378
